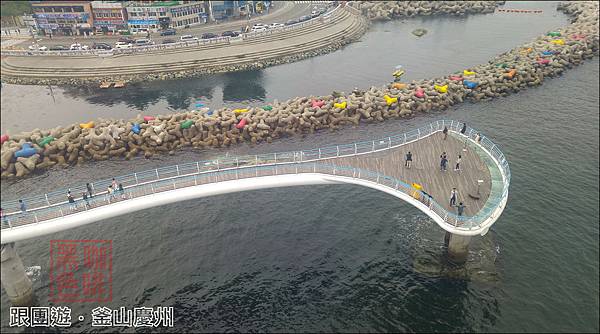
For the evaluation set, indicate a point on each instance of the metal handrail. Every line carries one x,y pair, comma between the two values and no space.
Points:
53,205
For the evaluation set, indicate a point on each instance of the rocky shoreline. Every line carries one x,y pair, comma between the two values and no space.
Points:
388,10
524,66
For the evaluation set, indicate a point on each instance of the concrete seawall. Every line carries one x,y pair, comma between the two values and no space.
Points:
524,66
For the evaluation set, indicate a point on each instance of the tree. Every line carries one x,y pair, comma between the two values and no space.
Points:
15,8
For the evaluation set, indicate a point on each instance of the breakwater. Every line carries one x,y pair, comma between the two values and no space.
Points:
388,10
219,128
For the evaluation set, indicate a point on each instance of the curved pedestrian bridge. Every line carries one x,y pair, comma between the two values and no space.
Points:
481,182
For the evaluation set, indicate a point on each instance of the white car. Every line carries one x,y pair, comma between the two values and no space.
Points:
78,46
276,25
259,29
123,45
188,38
36,47
143,42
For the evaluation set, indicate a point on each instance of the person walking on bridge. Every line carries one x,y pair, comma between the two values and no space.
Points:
89,189
71,201
86,202
445,132
110,192
443,162
408,160
121,191
22,206
460,208
4,219
453,195
464,129
457,167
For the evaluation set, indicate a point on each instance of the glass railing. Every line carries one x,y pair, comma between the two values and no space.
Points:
54,204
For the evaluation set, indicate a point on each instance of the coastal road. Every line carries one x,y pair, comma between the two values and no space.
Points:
282,12
316,37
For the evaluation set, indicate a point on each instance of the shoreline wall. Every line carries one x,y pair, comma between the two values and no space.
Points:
524,66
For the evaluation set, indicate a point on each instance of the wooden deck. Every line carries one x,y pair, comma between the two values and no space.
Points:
425,169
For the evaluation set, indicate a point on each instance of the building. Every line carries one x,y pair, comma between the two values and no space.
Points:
154,15
223,10
109,16
188,13
29,22
63,17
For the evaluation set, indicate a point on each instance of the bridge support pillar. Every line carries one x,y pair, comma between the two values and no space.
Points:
17,285
458,247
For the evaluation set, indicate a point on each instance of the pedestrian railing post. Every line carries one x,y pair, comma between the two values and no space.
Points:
47,201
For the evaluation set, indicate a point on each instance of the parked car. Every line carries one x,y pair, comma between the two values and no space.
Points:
276,25
186,38
77,46
58,48
208,35
259,29
126,40
169,41
168,32
304,18
292,21
36,47
143,42
101,46
123,45
230,33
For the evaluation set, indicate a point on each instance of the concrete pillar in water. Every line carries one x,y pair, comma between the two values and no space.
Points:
17,285
458,247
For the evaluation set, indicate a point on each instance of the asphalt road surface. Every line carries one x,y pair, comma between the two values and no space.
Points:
282,12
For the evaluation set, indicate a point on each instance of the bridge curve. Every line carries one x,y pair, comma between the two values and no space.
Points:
342,164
